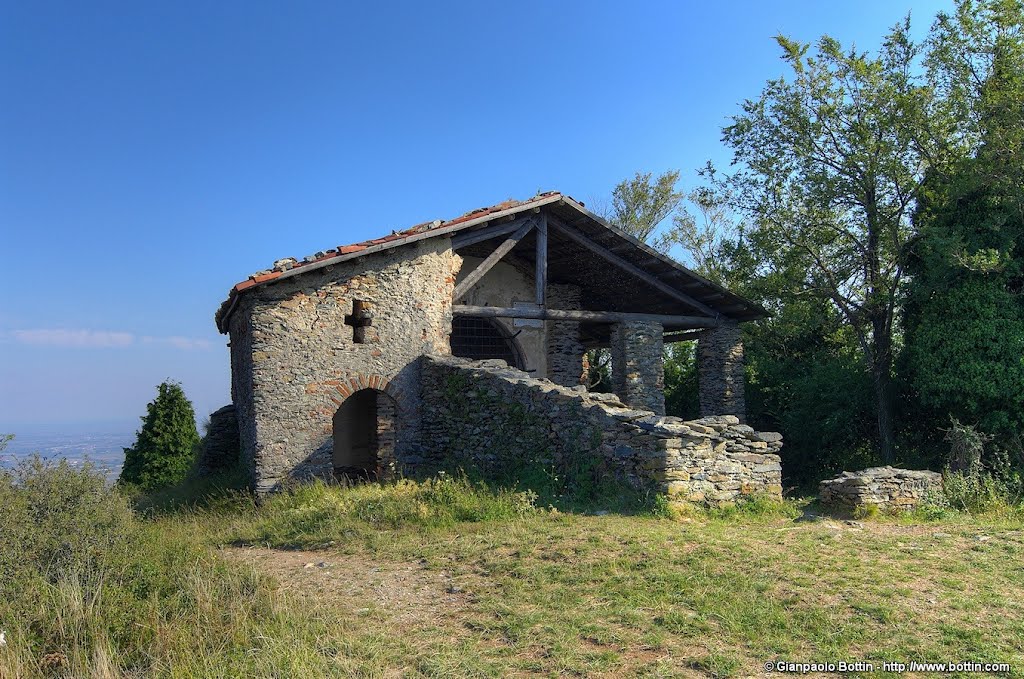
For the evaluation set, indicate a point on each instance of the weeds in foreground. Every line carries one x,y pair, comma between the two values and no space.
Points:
317,512
89,589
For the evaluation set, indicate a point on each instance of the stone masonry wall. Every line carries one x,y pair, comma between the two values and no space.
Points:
565,350
720,371
242,368
883,487
638,371
295,360
219,449
485,415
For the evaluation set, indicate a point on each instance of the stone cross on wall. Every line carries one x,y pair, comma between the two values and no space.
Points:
360,319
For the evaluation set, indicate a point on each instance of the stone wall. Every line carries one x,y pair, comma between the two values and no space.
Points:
565,350
487,416
295,359
720,371
220,447
242,394
638,371
882,487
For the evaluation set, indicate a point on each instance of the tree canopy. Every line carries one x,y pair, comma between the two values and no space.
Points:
875,206
964,313
641,203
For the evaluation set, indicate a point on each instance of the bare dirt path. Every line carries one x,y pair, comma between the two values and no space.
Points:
406,593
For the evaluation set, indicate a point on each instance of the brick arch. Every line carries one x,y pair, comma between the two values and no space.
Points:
354,382
347,388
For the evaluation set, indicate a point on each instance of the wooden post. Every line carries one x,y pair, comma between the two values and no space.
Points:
542,260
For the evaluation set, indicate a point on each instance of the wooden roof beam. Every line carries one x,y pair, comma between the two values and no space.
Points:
540,267
633,270
467,238
582,315
670,337
476,274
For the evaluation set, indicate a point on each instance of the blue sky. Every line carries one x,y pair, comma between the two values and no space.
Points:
154,154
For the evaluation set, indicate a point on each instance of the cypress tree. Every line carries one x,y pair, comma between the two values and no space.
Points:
164,448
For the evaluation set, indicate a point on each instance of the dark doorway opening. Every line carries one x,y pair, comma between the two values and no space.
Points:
364,436
480,338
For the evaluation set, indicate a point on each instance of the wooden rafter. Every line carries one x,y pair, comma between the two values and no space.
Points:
632,269
682,336
493,231
476,274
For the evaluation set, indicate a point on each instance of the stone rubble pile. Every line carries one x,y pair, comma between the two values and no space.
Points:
883,487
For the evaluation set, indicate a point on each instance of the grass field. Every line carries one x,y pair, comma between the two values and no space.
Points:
451,579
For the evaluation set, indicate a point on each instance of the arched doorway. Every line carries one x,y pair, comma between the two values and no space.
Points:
480,338
364,436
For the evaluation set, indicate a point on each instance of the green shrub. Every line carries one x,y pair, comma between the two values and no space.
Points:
977,492
979,477
867,511
933,507
58,519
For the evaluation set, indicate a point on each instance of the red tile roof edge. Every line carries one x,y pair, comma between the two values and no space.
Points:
289,263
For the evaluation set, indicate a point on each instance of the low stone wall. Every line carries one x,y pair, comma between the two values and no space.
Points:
883,487
485,415
220,448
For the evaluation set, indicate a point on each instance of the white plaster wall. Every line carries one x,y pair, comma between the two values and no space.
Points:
503,286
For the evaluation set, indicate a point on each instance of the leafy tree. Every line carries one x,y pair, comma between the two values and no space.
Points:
164,448
965,310
681,399
805,378
829,169
641,203
804,374
707,228
638,206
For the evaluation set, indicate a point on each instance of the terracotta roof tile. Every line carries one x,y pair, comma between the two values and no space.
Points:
289,263
264,277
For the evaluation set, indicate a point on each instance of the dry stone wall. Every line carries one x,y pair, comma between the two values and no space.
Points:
296,354
496,419
882,487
